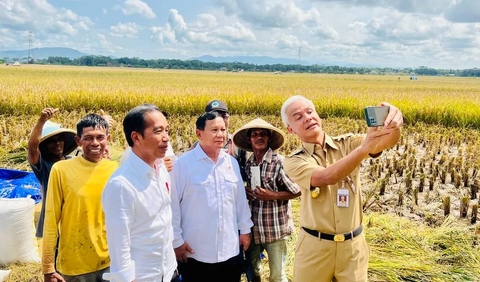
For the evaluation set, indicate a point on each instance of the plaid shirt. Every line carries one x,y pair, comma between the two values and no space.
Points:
272,220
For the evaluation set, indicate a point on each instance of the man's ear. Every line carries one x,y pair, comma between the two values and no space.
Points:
135,137
77,140
198,132
108,137
290,129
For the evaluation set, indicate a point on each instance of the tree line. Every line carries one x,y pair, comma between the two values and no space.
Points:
238,66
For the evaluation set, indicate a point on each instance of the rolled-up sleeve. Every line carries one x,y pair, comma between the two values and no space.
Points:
178,186
117,203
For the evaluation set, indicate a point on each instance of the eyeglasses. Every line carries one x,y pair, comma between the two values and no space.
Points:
256,134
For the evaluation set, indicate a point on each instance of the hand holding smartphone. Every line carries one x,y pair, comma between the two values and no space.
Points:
376,116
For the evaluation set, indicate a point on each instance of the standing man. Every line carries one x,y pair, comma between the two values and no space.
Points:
48,144
240,155
209,207
331,245
136,202
269,203
73,209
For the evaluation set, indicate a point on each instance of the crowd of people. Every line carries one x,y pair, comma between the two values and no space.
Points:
210,213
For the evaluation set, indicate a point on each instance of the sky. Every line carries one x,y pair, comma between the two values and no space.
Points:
394,33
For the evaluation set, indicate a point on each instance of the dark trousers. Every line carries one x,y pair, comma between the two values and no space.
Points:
227,271
88,277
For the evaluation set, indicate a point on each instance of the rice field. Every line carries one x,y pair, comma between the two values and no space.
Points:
409,233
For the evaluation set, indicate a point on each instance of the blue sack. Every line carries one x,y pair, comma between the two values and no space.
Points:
19,184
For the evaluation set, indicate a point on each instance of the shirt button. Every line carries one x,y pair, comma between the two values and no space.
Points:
220,230
338,221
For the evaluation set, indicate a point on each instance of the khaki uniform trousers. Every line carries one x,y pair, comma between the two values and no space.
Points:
325,261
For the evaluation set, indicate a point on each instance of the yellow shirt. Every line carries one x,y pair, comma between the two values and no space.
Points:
322,213
74,212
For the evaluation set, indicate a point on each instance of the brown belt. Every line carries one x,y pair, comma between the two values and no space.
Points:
336,238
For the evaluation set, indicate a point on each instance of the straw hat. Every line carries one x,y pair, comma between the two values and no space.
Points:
51,129
275,141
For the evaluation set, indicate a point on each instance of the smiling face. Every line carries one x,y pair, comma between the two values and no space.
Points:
55,145
153,143
259,139
93,143
304,121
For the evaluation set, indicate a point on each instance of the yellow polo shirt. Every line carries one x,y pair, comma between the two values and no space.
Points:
74,212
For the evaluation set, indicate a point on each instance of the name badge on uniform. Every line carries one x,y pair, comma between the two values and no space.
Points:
343,197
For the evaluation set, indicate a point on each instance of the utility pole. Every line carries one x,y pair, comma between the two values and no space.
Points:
299,54
30,48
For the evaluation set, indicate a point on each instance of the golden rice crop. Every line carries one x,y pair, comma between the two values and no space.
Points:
440,143
440,100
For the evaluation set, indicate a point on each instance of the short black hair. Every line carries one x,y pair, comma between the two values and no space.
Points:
135,120
202,120
91,120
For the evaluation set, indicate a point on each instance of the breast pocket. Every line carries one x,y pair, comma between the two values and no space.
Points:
230,184
200,187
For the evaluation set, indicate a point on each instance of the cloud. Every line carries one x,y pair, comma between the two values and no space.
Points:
406,6
324,32
178,31
128,30
270,13
289,42
41,17
464,11
205,22
105,45
236,32
131,7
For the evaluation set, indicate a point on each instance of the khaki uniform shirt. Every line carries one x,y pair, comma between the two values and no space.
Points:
322,213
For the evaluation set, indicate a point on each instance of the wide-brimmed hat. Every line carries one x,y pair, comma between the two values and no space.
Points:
51,129
241,138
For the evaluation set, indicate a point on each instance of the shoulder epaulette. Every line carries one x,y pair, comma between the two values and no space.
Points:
343,136
298,151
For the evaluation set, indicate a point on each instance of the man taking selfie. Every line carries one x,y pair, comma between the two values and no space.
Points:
331,245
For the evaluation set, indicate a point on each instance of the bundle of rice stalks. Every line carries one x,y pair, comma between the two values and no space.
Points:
403,250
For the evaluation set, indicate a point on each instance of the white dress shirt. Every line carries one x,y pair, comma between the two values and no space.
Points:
209,205
138,217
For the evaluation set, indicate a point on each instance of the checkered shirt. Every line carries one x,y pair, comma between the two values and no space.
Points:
272,220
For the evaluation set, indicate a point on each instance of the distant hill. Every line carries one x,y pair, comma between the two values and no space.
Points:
43,53
256,60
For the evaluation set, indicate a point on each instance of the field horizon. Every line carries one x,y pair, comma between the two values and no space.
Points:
410,237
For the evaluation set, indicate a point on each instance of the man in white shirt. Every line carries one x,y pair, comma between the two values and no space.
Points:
209,207
136,202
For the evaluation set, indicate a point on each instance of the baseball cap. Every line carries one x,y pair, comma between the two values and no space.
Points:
216,105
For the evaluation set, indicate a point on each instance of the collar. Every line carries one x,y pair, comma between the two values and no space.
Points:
310,147
268,157
200,153
141,166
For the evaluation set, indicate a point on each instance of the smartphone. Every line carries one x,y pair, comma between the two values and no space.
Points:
376,116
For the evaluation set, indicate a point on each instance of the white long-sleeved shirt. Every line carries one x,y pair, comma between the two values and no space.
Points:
138,218
209,205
